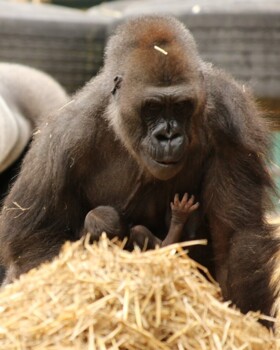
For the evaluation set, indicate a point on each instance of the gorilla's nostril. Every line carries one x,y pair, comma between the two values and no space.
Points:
176,136
168,137
164,135
162,138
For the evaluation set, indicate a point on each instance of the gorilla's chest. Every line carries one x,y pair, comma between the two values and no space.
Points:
119,183
151,208
141,204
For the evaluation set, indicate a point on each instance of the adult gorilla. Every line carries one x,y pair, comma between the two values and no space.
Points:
156,121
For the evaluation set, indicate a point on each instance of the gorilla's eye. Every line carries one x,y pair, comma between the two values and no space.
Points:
152,108
184,108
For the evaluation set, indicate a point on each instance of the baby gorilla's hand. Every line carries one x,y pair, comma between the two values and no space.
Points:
180,210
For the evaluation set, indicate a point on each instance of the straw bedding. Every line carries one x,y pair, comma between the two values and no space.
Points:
101,297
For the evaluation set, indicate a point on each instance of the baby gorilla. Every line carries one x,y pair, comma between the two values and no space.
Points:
107,219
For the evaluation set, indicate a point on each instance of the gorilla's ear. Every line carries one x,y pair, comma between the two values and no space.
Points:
117,84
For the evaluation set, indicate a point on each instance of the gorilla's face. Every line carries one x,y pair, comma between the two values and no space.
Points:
155,124
166,116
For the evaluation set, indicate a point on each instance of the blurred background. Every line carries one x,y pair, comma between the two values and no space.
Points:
66,38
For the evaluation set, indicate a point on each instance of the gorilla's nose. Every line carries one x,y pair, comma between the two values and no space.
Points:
168,134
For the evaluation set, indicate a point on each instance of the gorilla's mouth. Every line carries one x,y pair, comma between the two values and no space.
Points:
165,159
169,159
167,162
162,165
163,169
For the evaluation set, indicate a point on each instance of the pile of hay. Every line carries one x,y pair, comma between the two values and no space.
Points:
101,297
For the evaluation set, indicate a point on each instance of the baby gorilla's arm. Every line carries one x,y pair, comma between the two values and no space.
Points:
180,212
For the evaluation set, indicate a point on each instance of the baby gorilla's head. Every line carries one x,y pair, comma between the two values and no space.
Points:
105,219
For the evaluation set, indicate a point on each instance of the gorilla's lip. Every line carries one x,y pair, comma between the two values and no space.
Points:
163,169
167,162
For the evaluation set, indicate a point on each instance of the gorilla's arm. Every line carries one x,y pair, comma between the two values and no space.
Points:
236,194
46,206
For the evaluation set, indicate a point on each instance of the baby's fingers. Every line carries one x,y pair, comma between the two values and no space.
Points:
190,202
194,207
184,200
176,200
